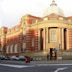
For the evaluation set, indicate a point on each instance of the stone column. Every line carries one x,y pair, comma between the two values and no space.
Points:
38,39
47,39
7,49
67,39
11,49
62,38
15,48
44,39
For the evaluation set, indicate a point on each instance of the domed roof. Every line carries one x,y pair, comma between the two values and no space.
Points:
53,9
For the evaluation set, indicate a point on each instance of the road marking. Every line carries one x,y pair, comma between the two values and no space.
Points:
15,66
54,64
33,65
59,69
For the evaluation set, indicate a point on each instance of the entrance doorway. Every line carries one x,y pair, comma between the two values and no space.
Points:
65,38
53,54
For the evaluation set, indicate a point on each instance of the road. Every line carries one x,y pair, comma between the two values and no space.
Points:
36,68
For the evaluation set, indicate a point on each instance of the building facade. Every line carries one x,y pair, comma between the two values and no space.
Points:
38,34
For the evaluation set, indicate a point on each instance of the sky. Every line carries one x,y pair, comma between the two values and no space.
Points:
11,11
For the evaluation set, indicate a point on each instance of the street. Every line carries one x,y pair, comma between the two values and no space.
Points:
36,68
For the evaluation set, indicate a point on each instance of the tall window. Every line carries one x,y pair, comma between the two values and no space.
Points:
7,49
24,46
11,48
32,42
53,35
15,48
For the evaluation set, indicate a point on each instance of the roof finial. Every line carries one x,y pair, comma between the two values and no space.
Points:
53,3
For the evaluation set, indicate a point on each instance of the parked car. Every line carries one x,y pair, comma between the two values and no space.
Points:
14,58
7,58
2,57
22,58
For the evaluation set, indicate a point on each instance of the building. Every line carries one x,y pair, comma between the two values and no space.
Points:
38,34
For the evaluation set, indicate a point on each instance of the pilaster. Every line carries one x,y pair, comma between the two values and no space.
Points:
44,39
62,39
38,39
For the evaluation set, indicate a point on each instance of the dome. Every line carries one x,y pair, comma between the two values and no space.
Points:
53,9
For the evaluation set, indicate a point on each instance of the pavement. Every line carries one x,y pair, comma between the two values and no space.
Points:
53,62
37,62
36,66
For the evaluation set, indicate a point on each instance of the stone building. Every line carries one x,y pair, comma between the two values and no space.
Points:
38,34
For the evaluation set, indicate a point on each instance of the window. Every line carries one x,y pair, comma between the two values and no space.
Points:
60,18
33,21
45,19
52,35
24,46
16,29
15,48
70,22
7,49
11,48
32,42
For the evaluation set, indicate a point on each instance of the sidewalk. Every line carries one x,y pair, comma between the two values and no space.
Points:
53,62
37,62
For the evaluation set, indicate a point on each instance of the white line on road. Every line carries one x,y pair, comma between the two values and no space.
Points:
59,69
15,66
54,64
33,65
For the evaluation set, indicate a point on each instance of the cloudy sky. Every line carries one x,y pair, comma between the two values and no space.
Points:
12,10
